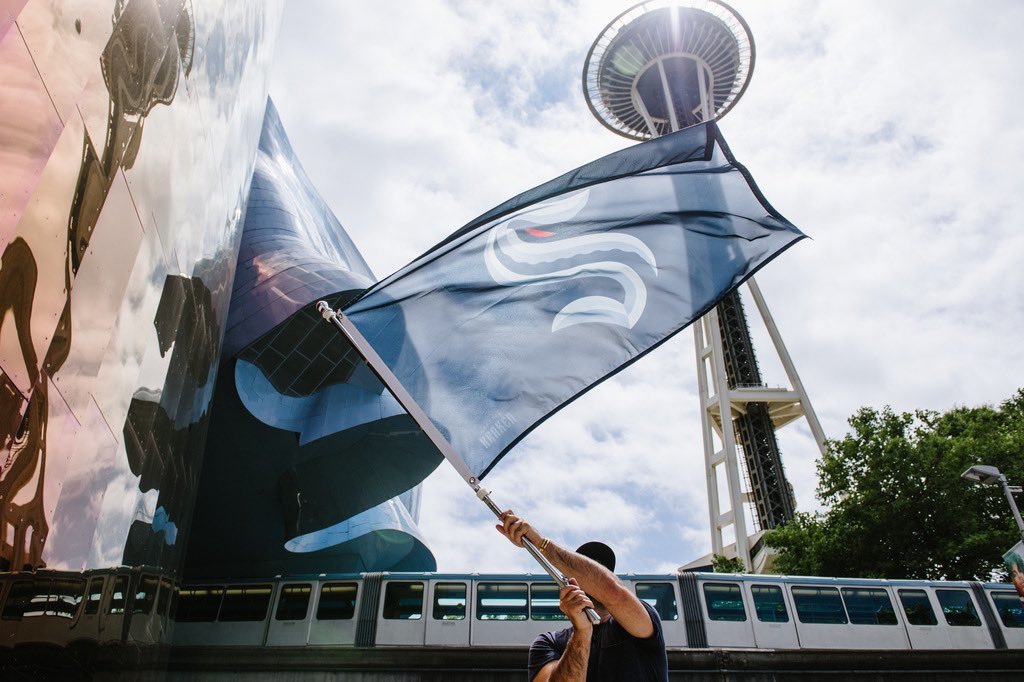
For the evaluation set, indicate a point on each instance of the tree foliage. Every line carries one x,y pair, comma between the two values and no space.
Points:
896,506
722,564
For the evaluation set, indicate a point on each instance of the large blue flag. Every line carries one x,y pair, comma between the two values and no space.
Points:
543,297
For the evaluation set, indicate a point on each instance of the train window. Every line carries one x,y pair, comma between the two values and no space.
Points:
769,604
164,599
724,601
818,605
145,595
957,607
337,601
294,602
1010,609
661,596
118,594
65,596
450,601
245,603
403,601
501,601
917,607
94,596
18,599
544,602
869,606
198,604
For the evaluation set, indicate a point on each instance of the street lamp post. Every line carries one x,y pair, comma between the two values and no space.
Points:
989,475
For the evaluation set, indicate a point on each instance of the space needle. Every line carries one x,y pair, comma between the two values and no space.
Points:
658,67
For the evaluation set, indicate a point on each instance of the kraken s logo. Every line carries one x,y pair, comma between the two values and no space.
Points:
536,258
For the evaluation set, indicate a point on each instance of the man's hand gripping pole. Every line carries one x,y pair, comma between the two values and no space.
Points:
383,372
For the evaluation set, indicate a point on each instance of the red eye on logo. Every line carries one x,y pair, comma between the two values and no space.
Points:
537,232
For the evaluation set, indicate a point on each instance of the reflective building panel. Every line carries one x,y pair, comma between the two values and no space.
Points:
170,403
128,131
329,456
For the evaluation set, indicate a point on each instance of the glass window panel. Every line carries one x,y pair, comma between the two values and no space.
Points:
403,601
245,603
118,594
294,602
94,597
66,595
957,607
18,599
868,606
662,596
818,605
917,607
450,601
724,601
1009,607
501,601
769,604
145,595
337,601
198,604
544,602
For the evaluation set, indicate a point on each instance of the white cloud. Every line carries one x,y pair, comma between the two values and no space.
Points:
889,132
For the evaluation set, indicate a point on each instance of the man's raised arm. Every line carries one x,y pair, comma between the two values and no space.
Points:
603,587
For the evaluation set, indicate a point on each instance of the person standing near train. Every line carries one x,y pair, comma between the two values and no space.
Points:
628,643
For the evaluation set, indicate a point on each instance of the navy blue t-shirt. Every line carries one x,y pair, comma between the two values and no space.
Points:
615,655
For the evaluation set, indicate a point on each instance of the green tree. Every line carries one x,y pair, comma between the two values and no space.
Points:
721,564
895,505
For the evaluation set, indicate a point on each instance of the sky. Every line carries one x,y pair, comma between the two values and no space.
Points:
889,132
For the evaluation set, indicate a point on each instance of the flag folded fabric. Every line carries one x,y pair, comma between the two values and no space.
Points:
543,297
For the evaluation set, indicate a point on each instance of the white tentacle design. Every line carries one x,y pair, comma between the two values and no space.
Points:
601,309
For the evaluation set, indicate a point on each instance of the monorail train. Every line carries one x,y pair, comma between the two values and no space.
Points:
698,611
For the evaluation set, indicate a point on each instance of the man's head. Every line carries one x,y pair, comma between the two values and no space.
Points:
599,552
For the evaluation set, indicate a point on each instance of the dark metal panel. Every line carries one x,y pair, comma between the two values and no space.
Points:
366,628
693,615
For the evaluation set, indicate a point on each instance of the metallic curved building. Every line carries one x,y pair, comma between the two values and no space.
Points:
165,404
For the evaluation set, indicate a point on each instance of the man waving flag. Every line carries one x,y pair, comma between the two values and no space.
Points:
543,297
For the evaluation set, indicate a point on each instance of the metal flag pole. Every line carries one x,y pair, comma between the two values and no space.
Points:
384,373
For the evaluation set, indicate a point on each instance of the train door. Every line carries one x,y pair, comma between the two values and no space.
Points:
112,610
447,619
664,598
821,619
162,619
289,623
728,621
334,613
400,618
919,612
145,627
963,624
874,622
242,618
772,618
1009,611
87,627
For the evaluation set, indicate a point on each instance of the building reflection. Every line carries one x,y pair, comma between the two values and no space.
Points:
149,45
160,253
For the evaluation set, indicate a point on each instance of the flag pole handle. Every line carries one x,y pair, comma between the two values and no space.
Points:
555,574
383,372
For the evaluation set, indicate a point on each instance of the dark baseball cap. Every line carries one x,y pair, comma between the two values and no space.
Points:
599,552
